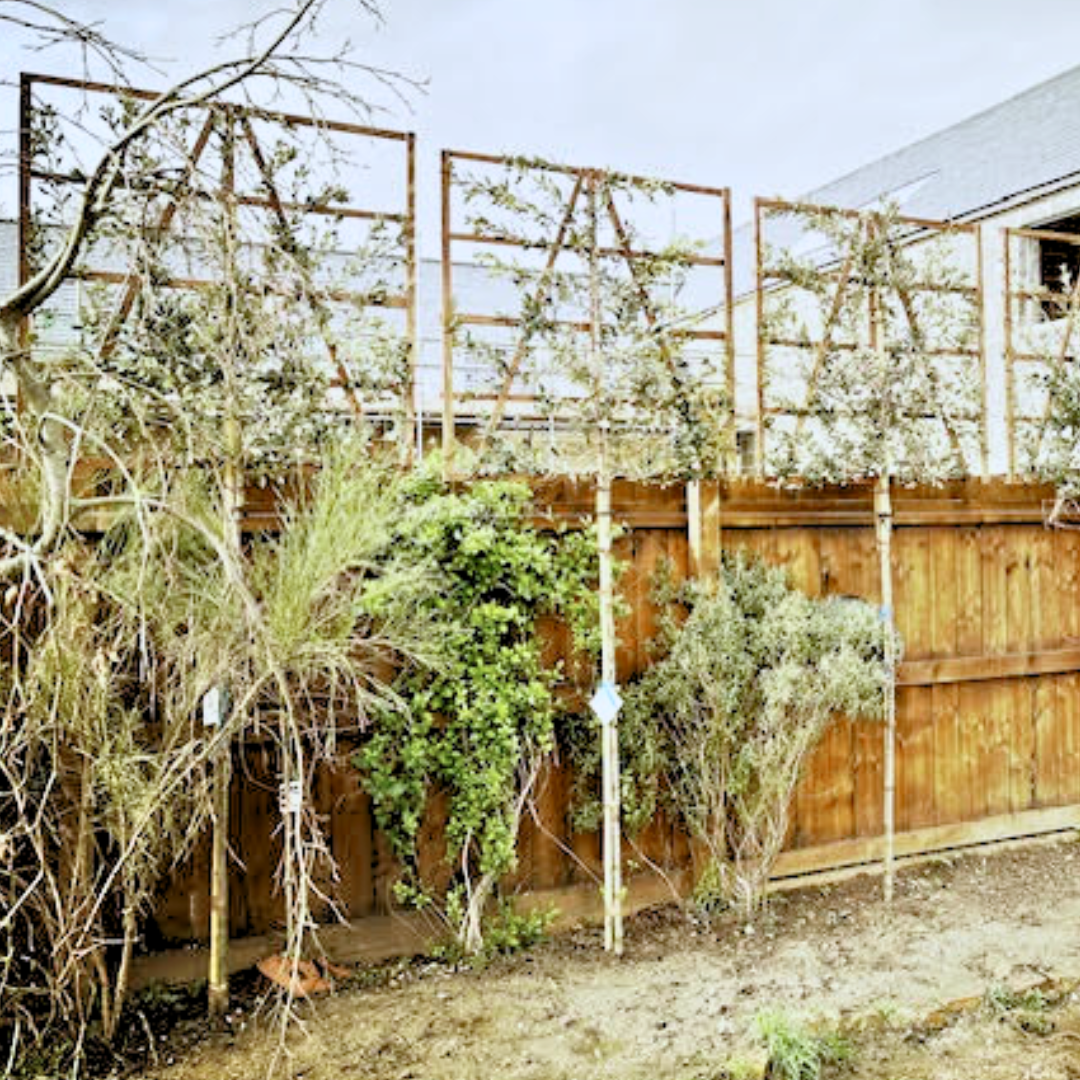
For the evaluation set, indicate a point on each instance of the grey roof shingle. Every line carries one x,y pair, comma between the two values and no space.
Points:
1025,144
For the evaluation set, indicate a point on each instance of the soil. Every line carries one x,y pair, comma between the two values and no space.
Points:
680,1004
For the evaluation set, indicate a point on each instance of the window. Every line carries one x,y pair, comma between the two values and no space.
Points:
1059,264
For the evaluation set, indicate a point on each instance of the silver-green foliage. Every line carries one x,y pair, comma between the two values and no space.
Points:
878,372
1051,448
723,725
660,399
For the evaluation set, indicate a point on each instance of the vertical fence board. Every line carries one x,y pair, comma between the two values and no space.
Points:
949,776
1020,620
914,721
971,697
1066,545
257,839
1047,723
994,766
351,843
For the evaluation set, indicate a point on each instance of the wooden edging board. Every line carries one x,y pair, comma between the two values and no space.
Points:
377,938
937,838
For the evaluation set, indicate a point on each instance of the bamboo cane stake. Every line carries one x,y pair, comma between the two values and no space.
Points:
613,928
694,528
883,518
609,737
218,973
883,513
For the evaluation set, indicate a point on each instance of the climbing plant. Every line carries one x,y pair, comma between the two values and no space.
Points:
249,286
606,360
475,732
870,367
869,345
602,313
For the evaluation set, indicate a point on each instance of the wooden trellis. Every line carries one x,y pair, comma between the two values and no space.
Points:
841,309
1040,339
222,151
502,394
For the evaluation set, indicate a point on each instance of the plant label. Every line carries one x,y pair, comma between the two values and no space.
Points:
213,707
606,703
292,797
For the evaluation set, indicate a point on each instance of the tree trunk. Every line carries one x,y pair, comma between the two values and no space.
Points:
609,732
884,515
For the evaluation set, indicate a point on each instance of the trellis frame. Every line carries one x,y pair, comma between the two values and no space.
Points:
236,117
585,180
920,229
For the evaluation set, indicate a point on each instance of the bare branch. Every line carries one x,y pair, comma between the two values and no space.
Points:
51,27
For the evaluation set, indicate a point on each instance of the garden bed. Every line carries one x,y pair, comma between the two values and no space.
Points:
681,1003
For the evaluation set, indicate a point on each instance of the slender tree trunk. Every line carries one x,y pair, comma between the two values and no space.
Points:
218,974
609,732
123,975
884,517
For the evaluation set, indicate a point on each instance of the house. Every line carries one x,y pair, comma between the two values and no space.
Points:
1015,166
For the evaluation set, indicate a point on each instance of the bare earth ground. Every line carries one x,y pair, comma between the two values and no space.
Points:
680,1004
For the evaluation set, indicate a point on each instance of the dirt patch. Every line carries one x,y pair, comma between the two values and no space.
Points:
988,1042
681,1002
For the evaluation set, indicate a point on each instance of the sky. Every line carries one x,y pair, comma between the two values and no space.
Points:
768,97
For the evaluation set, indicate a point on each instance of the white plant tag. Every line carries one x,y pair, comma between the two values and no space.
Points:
292,797
606,703
213,707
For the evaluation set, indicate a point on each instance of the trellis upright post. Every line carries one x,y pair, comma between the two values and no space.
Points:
413,421
449,436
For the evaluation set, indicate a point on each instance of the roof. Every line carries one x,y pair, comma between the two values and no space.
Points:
1026,145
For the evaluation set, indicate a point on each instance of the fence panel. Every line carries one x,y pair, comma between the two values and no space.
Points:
988,603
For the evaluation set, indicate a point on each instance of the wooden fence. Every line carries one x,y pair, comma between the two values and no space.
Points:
988,604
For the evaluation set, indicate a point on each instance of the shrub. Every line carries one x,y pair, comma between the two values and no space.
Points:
724,724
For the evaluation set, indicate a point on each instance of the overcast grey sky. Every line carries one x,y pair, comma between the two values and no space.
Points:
766,96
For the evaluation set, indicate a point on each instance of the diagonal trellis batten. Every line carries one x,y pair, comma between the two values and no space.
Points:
919,339
318,303
111,336
539,298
